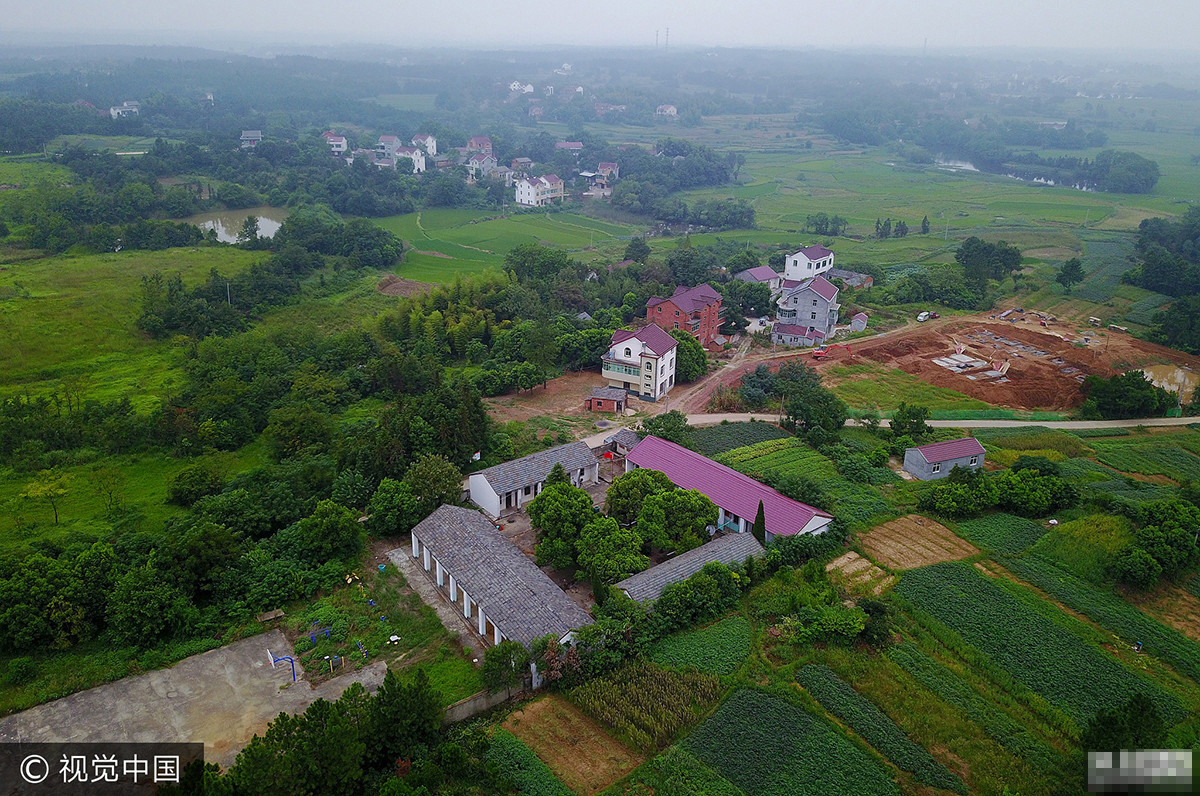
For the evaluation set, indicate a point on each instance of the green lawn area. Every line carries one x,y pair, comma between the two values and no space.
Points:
104,143
408,102
447,243
75,316
873,386
24,171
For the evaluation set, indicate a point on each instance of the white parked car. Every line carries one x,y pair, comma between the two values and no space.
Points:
924,316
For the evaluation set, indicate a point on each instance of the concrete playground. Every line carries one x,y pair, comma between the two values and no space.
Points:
221,698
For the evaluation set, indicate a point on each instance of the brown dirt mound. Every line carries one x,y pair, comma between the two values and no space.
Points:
392,285
915,541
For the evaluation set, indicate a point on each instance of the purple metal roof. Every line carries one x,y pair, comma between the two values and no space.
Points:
816,252
655,338
952,449
728,488
822,287
689,299
799,331
862,315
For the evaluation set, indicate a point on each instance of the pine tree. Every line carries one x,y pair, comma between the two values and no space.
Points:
760,525
557,475
925,225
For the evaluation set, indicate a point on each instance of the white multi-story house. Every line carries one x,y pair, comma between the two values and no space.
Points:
415,155
666,110
807,312
426,142
337,143
481,164
807,263
539,191
641,362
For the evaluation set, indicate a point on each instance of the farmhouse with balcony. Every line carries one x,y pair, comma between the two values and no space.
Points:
696,310
337,143
666,110
539,191
808,262
807,312
728,550
641,362
930,462
492,580
481,164
737,496
609,169
387,146
427,142
250,138
762,275
508,486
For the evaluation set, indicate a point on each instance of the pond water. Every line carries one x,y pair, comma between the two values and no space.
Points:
1174,378
228,223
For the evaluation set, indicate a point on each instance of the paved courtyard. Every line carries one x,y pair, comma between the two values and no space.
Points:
221,698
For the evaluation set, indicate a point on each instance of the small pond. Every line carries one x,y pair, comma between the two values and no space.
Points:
228,223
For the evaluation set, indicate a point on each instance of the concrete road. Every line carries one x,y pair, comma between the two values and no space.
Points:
221,698
705,419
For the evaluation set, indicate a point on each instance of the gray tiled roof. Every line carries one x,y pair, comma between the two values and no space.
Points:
518,597
533,469
609,393
626,436
729,549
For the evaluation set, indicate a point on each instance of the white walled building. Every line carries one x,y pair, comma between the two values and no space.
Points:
641,362
807,263
415,155
387,146
539,191
509,486
426,142
492,581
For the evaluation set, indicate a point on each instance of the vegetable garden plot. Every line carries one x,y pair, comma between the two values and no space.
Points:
1002,533
715,440
1160,455
768,747
1107,609
646,706
779,457
1041,655
677,772
531,776
866,719
719,649
1004,729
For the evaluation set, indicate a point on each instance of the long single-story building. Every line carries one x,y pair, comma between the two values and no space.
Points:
737,496
930,462
730,549
496,584
508,486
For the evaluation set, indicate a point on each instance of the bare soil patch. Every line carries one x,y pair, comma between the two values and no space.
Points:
1051,253
1172,606
392,285
915,541
1046,367
577,749
562,396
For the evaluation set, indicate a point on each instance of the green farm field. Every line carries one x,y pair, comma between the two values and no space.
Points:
448,243
75,317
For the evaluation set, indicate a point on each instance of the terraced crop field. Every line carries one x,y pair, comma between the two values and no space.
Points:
915,541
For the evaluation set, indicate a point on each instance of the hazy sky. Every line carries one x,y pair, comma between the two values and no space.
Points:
1125,24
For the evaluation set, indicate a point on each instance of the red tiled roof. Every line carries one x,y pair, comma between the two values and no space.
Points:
478,140
760,273
422,137
689,299
862,315
816,252
480,156
569,145
606,163
655,338
952,449
388,138
551,179
727,488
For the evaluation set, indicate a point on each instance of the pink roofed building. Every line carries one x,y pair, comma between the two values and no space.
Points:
480,143
931,462
737,496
